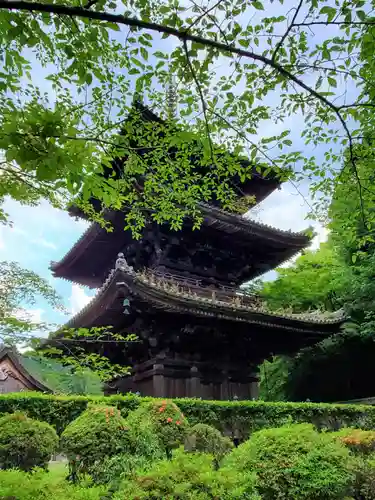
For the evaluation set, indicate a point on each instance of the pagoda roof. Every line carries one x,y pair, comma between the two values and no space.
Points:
183,296
90,258
14,365
260,186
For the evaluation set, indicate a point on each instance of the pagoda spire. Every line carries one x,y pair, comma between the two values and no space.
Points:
172,97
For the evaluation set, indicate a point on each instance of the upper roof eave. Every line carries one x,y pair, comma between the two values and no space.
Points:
214,217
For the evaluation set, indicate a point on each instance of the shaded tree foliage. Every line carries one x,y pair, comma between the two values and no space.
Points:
339,274
20,288
96,56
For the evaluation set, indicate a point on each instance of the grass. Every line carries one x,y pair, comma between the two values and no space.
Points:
45,485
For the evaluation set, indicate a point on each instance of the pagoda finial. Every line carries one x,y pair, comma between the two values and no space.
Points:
172,97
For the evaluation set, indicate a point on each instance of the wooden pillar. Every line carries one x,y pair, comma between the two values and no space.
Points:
224,386
195,383
158,381
254,388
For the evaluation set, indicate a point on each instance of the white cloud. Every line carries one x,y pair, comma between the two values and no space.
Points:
321,236
78,299
2,244
288,210
44,243
32,315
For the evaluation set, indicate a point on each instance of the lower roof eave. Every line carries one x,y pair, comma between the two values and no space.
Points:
170,299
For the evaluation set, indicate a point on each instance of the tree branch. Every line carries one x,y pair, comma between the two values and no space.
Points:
280,43
204,13
336,23
200,92
184,36
357,105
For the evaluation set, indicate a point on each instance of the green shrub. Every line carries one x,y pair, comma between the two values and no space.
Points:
365,478
111,469
98,433
357,440
188,476
295,461
162,420
207,439
143,438
25,443
241,416
42,485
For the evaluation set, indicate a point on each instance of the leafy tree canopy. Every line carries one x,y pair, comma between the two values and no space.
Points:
61,379
316,280
339,274
238,67
20,288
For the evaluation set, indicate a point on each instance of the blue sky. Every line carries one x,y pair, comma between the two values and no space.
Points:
41,234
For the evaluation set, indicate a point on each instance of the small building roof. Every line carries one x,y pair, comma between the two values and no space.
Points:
9,355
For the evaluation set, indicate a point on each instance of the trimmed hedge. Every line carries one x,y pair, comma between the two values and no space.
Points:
227,416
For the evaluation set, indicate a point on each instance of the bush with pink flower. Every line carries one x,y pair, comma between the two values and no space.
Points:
163,419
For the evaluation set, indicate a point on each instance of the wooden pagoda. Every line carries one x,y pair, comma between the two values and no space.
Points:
200,335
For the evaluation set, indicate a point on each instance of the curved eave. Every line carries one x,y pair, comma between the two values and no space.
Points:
77,249
108,299
234,224
237,226
65,267
203,306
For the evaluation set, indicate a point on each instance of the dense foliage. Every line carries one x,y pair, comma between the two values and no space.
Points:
291,461
25,443
316,281
21,288
364,487
188,477
295,461
99,432
337,275
276,70
62,379
359,441
229,416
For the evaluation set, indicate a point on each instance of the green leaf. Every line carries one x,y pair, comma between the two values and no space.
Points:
330,11
113,26
257,5
144,53
332,81
361,15
244,42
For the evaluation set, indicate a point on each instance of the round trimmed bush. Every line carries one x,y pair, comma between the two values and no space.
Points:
99,432
25,443
207,439
163,424
295,461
